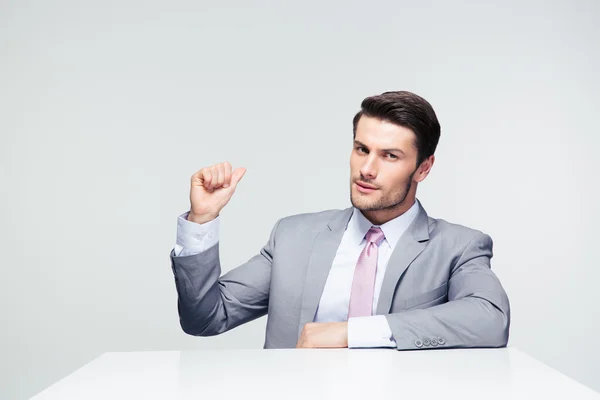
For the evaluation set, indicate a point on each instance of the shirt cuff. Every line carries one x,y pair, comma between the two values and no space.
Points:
372,331
193,238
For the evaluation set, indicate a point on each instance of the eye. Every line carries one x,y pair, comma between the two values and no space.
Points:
361,149
392,156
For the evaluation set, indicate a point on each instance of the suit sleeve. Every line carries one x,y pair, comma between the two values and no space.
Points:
477,313
210,304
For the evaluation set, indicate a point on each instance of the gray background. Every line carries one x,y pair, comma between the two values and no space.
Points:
108,107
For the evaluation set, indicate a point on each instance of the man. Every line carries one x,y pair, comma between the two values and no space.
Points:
378,274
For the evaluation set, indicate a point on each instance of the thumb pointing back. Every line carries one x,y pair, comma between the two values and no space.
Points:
236,176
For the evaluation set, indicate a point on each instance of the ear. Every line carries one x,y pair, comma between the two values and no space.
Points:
424,169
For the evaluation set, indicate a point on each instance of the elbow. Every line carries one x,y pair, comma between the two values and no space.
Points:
497,330
194,326
500,332
189,328
194,329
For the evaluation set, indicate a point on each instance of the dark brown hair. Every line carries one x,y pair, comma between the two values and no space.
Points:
408,110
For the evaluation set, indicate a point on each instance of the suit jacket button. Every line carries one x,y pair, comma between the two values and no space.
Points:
418,343
441,341
434,342
426,342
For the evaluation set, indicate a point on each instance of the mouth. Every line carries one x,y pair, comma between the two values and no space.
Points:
365,188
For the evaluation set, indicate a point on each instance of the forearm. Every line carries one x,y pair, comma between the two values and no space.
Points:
477,313
208,304
468,322
197,269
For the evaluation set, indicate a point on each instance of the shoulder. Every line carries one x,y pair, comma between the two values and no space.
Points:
311,220
458,236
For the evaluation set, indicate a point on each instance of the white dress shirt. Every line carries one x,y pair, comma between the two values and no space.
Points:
371,331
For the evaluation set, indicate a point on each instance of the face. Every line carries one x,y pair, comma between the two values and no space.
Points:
384,172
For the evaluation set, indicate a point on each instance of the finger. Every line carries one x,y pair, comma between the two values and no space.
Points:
204,176
221,180
227,180
237,176
215,177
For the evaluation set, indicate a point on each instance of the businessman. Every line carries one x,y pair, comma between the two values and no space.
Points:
381,273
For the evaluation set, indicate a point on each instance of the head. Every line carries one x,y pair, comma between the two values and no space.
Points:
395,137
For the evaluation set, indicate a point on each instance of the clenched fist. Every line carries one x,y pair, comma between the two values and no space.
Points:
324,335
210,191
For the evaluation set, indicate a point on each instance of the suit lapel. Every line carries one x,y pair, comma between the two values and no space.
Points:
409,246
323,252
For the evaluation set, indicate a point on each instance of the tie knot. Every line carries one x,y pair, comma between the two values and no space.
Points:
375,235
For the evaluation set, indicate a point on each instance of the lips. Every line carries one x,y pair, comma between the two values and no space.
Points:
364,188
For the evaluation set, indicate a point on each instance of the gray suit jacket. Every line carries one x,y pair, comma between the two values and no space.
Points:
438,290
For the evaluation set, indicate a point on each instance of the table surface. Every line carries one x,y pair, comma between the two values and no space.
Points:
369,374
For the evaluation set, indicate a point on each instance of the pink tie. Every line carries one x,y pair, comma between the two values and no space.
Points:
363,286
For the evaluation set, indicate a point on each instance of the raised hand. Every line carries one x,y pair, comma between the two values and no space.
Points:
211,189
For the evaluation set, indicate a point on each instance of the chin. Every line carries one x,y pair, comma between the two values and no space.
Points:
361,204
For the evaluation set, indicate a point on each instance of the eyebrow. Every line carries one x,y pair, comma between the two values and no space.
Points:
357,142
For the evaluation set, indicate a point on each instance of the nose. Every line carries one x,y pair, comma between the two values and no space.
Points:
369,168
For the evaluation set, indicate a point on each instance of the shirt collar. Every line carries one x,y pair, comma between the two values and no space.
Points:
359,225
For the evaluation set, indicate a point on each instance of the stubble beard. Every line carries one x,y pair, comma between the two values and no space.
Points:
384,203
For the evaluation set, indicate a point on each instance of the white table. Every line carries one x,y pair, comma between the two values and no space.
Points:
367,374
